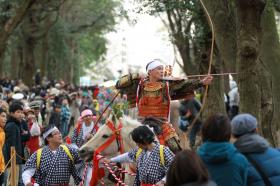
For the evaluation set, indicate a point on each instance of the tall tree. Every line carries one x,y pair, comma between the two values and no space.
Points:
39,20
256,51
58,34
249,39
269,60
191,35
9,22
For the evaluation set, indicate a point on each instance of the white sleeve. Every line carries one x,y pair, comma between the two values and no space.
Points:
123,158
27,175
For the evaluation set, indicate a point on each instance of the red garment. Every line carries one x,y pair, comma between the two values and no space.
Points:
147,184
33,142
95,92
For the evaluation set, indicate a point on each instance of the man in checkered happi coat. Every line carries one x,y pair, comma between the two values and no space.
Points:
150,169
56,164
84,131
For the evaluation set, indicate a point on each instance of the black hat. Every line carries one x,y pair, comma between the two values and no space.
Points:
15,106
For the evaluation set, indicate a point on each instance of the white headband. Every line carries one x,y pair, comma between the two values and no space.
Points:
154,64
49,131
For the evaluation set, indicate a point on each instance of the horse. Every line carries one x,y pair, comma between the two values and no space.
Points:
123,128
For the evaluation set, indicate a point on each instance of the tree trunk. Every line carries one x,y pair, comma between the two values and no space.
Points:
248,49
7,29
264,99
28,61
270,57
223,17
215,97
181,40
44,55
14,62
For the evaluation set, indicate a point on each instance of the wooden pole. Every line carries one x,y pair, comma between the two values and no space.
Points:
13,167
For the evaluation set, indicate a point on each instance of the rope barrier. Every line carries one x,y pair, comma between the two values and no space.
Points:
114,175
122,170
20,157
7,164
84,174
102,182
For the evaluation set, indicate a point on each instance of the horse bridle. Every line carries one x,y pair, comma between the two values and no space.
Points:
115,136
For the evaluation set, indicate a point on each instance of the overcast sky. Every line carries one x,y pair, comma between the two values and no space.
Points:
138,44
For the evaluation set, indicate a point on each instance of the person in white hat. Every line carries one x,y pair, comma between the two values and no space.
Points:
18,96
152,96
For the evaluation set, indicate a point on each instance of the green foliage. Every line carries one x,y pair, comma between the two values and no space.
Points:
86,23
154,6
119,107
59,49
74,32
7,9
182,11
187,23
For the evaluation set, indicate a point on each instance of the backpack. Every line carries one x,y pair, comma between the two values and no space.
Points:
65,148
161,154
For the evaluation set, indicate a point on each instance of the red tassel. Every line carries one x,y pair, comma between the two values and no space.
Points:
68,140
95,171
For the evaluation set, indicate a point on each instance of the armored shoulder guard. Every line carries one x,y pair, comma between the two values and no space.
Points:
127,80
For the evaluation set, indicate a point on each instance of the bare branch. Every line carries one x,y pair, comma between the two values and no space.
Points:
277,5
89,25
13,22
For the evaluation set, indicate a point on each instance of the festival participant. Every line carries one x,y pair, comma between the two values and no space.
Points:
81,134
84,129
152,159
152,96
52,164
33,144
3,119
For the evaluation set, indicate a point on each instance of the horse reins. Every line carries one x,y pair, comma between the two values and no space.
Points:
115,136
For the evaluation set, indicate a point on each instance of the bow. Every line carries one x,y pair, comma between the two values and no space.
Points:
106,108
210,61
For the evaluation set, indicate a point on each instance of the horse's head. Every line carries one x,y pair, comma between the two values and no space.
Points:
104,133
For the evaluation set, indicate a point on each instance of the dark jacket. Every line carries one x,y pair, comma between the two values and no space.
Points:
55,119
268,158
25,136
13,138
193,105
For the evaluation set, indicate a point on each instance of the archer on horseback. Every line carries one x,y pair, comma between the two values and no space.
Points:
152,96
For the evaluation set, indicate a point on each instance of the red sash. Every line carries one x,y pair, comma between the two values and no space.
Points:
146,184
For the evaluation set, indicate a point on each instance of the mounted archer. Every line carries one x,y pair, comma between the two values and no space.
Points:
152,96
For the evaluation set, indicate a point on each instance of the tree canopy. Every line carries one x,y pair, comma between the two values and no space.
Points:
54,35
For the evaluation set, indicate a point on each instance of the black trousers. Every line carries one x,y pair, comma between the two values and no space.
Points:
2,179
